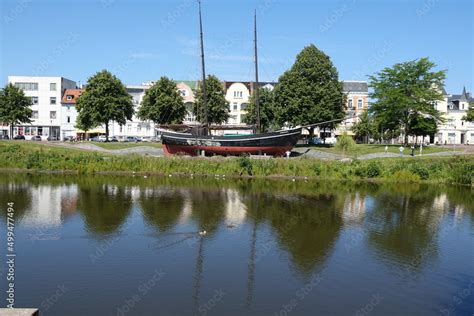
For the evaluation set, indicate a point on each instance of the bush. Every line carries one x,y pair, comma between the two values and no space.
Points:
463,174
245,165
406,176
345,143
421,171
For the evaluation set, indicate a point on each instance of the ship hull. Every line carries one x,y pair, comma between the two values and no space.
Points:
274,144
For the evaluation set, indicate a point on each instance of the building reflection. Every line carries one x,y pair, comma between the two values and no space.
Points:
162,207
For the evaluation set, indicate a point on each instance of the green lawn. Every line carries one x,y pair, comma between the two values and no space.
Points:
122,145
364,149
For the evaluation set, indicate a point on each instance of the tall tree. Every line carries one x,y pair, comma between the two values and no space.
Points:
405,93
84,121
470,113
310,91
163,103
105,99
365,127
268,114
217,106
15,107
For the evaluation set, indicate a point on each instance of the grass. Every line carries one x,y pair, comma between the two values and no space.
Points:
458,170
122,145
364,149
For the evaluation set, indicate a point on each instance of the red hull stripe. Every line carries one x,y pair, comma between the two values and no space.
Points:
225,150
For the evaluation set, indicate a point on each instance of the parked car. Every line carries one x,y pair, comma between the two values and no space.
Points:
69,138
36,138
19,137
101,138
52,138
113,139
132,139
315,141
94,139
4,137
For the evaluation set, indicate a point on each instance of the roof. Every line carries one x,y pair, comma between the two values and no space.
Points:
356,86
75,93
464,97
193,84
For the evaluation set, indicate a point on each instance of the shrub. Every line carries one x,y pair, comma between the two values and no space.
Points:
373,170
406,176
345,143
420,171
463,173
245,165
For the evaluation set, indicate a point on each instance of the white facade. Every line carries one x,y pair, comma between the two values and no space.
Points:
238,95
455,130
45,94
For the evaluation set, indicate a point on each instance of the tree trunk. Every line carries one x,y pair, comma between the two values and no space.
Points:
11,131
107,131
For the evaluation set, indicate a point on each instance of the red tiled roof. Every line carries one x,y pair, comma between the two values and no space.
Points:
73,95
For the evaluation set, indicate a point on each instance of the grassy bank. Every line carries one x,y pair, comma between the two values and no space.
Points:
364,149
457,170
120,145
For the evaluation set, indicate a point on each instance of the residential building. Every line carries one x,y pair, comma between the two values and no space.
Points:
69,112
357,101
238,96
455,130
45,94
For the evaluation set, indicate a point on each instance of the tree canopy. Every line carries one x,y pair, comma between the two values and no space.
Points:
217,106
268,114
15,107
404,96
310,91
470,113
365,127
105,99
163,103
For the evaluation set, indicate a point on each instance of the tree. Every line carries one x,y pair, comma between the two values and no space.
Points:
421,126
405,93
217,106
163,103
470,113
310,91
105,99
365,127
15,107
268,115
84,121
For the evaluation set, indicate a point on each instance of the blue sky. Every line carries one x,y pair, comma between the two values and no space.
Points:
142,40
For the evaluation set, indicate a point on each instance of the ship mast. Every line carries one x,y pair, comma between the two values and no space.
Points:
203,67
257,96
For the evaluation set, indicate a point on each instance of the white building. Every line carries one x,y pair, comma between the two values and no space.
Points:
69,112
45,94
455,130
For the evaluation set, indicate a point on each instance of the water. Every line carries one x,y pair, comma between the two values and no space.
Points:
131,246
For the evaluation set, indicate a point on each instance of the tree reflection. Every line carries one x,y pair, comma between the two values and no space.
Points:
105,207
161,207
306,227
208,208
19,194
404,225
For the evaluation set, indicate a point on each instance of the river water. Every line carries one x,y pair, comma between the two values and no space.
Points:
126,245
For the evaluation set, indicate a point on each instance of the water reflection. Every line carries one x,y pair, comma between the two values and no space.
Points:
305,219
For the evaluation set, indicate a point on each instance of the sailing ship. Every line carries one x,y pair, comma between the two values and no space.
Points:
199,141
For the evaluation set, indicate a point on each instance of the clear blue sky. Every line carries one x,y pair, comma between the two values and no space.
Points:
142,40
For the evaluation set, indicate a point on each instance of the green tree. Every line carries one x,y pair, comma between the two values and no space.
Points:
421,126
15,107
310,91
365,127
217,106
84,121
405,93
268,114
163,103
470,113
105,99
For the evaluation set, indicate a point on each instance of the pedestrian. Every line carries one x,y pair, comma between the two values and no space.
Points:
421,149
412,150
401,151
386,148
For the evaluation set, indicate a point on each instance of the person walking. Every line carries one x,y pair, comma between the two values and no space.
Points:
401,151
386,148
421,149
412,150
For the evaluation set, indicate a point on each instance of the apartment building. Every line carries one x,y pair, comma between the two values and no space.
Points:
357,101
69,112
45,94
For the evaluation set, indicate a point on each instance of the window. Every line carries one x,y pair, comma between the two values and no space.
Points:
235,106
121,128
52,100
68,108
52,86
350,103
359,104
34,100
237,94
69,119
183,92
243,106
52,115
27,86
35,115
69,97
